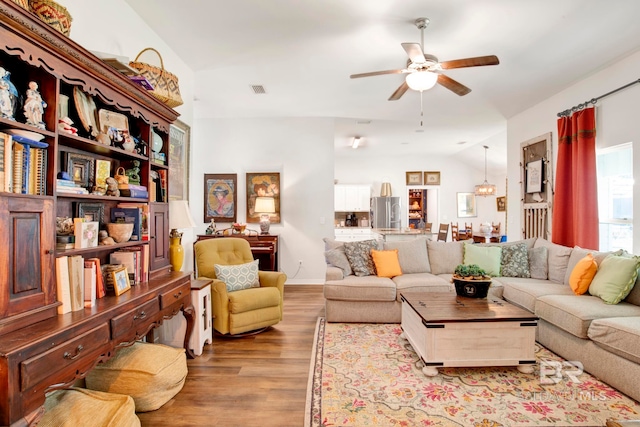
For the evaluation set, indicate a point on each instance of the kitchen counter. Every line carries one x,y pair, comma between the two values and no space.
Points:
395,234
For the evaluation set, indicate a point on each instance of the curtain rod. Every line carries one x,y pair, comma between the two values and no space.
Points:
594,100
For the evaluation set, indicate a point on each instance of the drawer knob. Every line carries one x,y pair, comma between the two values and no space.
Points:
142,315
178,295
69,356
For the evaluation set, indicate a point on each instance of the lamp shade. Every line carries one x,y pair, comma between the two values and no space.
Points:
421,80
179,215
265,205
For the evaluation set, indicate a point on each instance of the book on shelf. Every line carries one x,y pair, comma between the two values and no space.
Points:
76,282
134,193
131,260
18,158
90,283
63,292
142,261
163,185
128,215
101,292
7,142
143,211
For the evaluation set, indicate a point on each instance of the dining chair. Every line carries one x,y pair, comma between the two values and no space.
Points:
442,232
495,228
454,232
428,226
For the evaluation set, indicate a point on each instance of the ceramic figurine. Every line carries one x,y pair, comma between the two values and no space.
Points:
64,124
112,187
8,96
134,173
34,107
211,228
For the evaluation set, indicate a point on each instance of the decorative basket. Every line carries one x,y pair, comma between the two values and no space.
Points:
165,84
52,13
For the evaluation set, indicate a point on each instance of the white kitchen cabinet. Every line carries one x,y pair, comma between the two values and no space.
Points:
353,234
352,198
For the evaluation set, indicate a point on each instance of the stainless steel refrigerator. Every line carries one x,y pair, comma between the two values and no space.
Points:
385,212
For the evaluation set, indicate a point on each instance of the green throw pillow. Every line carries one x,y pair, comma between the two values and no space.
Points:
486,257
238,277
615,278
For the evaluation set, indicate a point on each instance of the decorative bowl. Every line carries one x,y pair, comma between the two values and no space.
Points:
239,228
120,231
53,14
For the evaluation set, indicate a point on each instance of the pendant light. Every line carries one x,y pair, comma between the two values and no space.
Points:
485,189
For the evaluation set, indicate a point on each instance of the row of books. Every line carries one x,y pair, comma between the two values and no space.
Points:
79,282
136,213
23,165
67,186
136,260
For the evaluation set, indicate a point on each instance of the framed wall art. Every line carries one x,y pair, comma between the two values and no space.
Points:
431,178
179,134
534,176
92,212
466,205
80,168
263,184
220,197
501,203
414,178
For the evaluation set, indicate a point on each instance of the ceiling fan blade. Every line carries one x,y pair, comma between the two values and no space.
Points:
453,85
477,61
399,92
414,50
377,73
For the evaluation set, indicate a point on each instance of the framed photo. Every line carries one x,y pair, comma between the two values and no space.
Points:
86,233
432,178
534,176
103,171
80,168
179,134
466,205
501,203
121,282
220,197
263,184
90,212
414,178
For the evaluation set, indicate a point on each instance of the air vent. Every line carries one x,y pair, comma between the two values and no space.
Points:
258,89
363,122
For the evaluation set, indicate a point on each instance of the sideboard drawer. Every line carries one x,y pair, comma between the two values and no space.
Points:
176,294
136,320
65,357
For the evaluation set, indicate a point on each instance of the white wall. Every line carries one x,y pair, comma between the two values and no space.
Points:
301,149
616,123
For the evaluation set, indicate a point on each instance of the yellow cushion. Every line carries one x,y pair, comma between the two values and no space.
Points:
253,299
387,263
150,373
81,407
582,274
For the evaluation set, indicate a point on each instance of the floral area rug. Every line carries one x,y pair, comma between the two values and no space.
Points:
367,375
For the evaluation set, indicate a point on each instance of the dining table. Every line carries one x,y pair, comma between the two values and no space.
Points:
486,238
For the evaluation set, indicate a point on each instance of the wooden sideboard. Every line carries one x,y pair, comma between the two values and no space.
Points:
264,247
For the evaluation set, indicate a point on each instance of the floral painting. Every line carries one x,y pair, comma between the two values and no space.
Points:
263,184
220,197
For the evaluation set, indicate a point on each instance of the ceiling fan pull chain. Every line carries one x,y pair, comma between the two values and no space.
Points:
421,111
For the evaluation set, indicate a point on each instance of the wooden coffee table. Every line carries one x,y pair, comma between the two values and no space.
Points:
449,330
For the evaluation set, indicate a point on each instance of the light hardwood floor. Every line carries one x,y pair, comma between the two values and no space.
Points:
260,380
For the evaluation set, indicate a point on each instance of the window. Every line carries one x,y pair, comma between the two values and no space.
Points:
615,197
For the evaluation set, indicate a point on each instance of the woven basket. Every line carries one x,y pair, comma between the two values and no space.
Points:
53,14
165,84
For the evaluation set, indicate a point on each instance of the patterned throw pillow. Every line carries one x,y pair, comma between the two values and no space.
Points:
359,256
515,261
238,277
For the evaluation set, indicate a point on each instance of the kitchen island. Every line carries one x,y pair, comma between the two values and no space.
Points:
397,234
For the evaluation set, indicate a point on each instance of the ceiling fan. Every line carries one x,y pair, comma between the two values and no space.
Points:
424,70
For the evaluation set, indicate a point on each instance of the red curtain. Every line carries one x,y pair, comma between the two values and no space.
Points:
575,209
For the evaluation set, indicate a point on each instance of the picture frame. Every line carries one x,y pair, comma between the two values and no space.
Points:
263,184
534,176
466,204
90,212
220,197
501,203
414,178
121,282
86,233
81,169
103,171
431,178
179,137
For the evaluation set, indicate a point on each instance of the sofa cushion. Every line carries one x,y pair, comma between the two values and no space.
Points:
615,278
444,257
412,254
527,242
421,282
578,254
538,262
582,274
338,258
359,256
619,335
524,292
634,295
333,273
574,313
353,288
238,277
386,262
486,257
514,261
254,299
330,243
557,260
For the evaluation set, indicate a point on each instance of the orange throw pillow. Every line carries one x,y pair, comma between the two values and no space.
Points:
582,274
387,263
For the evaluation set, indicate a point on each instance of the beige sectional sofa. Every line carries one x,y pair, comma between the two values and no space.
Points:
605,338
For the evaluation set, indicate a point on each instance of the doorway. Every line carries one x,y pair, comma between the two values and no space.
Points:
422,206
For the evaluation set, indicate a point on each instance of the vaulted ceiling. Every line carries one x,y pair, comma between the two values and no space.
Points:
303,51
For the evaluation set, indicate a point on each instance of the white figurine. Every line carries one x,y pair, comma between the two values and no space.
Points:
7,97
34,107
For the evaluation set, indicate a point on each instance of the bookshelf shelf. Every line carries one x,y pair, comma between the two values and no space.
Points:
99,249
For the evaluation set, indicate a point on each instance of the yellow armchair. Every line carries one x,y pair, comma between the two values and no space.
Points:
245,310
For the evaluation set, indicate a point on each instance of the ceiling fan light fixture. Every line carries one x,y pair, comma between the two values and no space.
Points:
485,189
421,80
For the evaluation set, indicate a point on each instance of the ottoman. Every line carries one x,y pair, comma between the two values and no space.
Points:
150,373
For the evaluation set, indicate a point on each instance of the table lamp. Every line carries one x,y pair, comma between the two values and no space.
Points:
265,206
179,217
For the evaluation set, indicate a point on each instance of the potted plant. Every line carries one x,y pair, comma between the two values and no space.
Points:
471,281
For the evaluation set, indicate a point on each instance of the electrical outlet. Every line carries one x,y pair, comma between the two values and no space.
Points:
299,262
